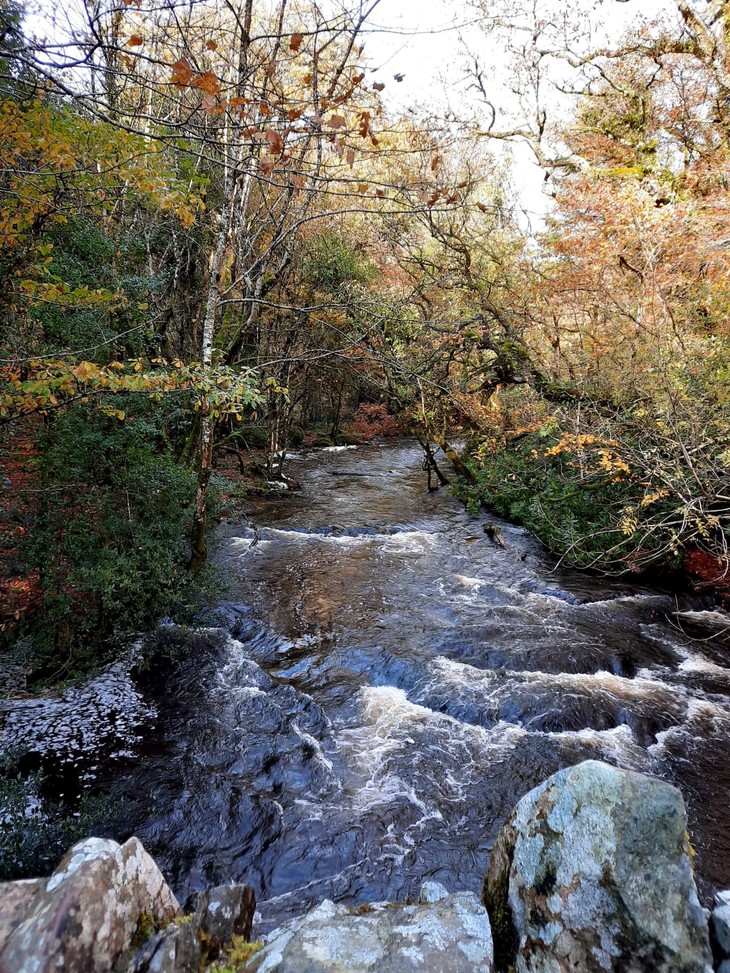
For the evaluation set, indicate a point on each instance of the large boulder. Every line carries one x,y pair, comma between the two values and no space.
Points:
87,915
441,934
592,873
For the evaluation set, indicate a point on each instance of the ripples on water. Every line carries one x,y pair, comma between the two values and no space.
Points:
385,684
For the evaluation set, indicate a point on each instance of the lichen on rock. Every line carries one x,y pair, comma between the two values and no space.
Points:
592,873
441,933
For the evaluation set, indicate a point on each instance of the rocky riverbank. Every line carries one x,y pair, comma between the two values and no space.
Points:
592,872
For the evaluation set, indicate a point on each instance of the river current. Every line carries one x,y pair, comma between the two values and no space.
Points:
384,683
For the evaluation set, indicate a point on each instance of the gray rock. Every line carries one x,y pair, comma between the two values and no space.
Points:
592,873
722,898
176,949
221,913
16,900
720,930
224,912
86,915
451,935
432,892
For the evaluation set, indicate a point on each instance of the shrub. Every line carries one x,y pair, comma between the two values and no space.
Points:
372,421
109,542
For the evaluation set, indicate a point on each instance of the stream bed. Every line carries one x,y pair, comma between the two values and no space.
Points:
381,686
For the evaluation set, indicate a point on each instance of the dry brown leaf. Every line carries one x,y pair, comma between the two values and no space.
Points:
181,72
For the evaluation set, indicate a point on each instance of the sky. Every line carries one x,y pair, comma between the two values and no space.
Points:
425,40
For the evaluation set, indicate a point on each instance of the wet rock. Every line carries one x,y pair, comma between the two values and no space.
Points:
88,913
592,873
450,935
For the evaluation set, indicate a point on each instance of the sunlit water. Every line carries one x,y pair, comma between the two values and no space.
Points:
385,683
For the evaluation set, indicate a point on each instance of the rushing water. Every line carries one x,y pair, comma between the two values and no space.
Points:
385,683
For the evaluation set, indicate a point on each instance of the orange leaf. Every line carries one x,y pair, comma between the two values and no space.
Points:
350,156
136,40
294,113
307,79
336,121
181,72
207,82
378,86
363,187
276,142
296,42
482,207
211,46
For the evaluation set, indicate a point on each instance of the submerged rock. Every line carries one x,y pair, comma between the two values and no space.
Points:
86,915
592,873
442,934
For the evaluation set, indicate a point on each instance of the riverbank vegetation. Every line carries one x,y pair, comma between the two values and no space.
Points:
218,240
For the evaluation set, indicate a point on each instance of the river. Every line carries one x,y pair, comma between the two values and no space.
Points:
383,683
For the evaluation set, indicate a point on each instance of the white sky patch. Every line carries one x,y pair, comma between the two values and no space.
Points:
426,42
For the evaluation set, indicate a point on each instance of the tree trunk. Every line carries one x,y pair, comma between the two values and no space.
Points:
198,541
453,456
